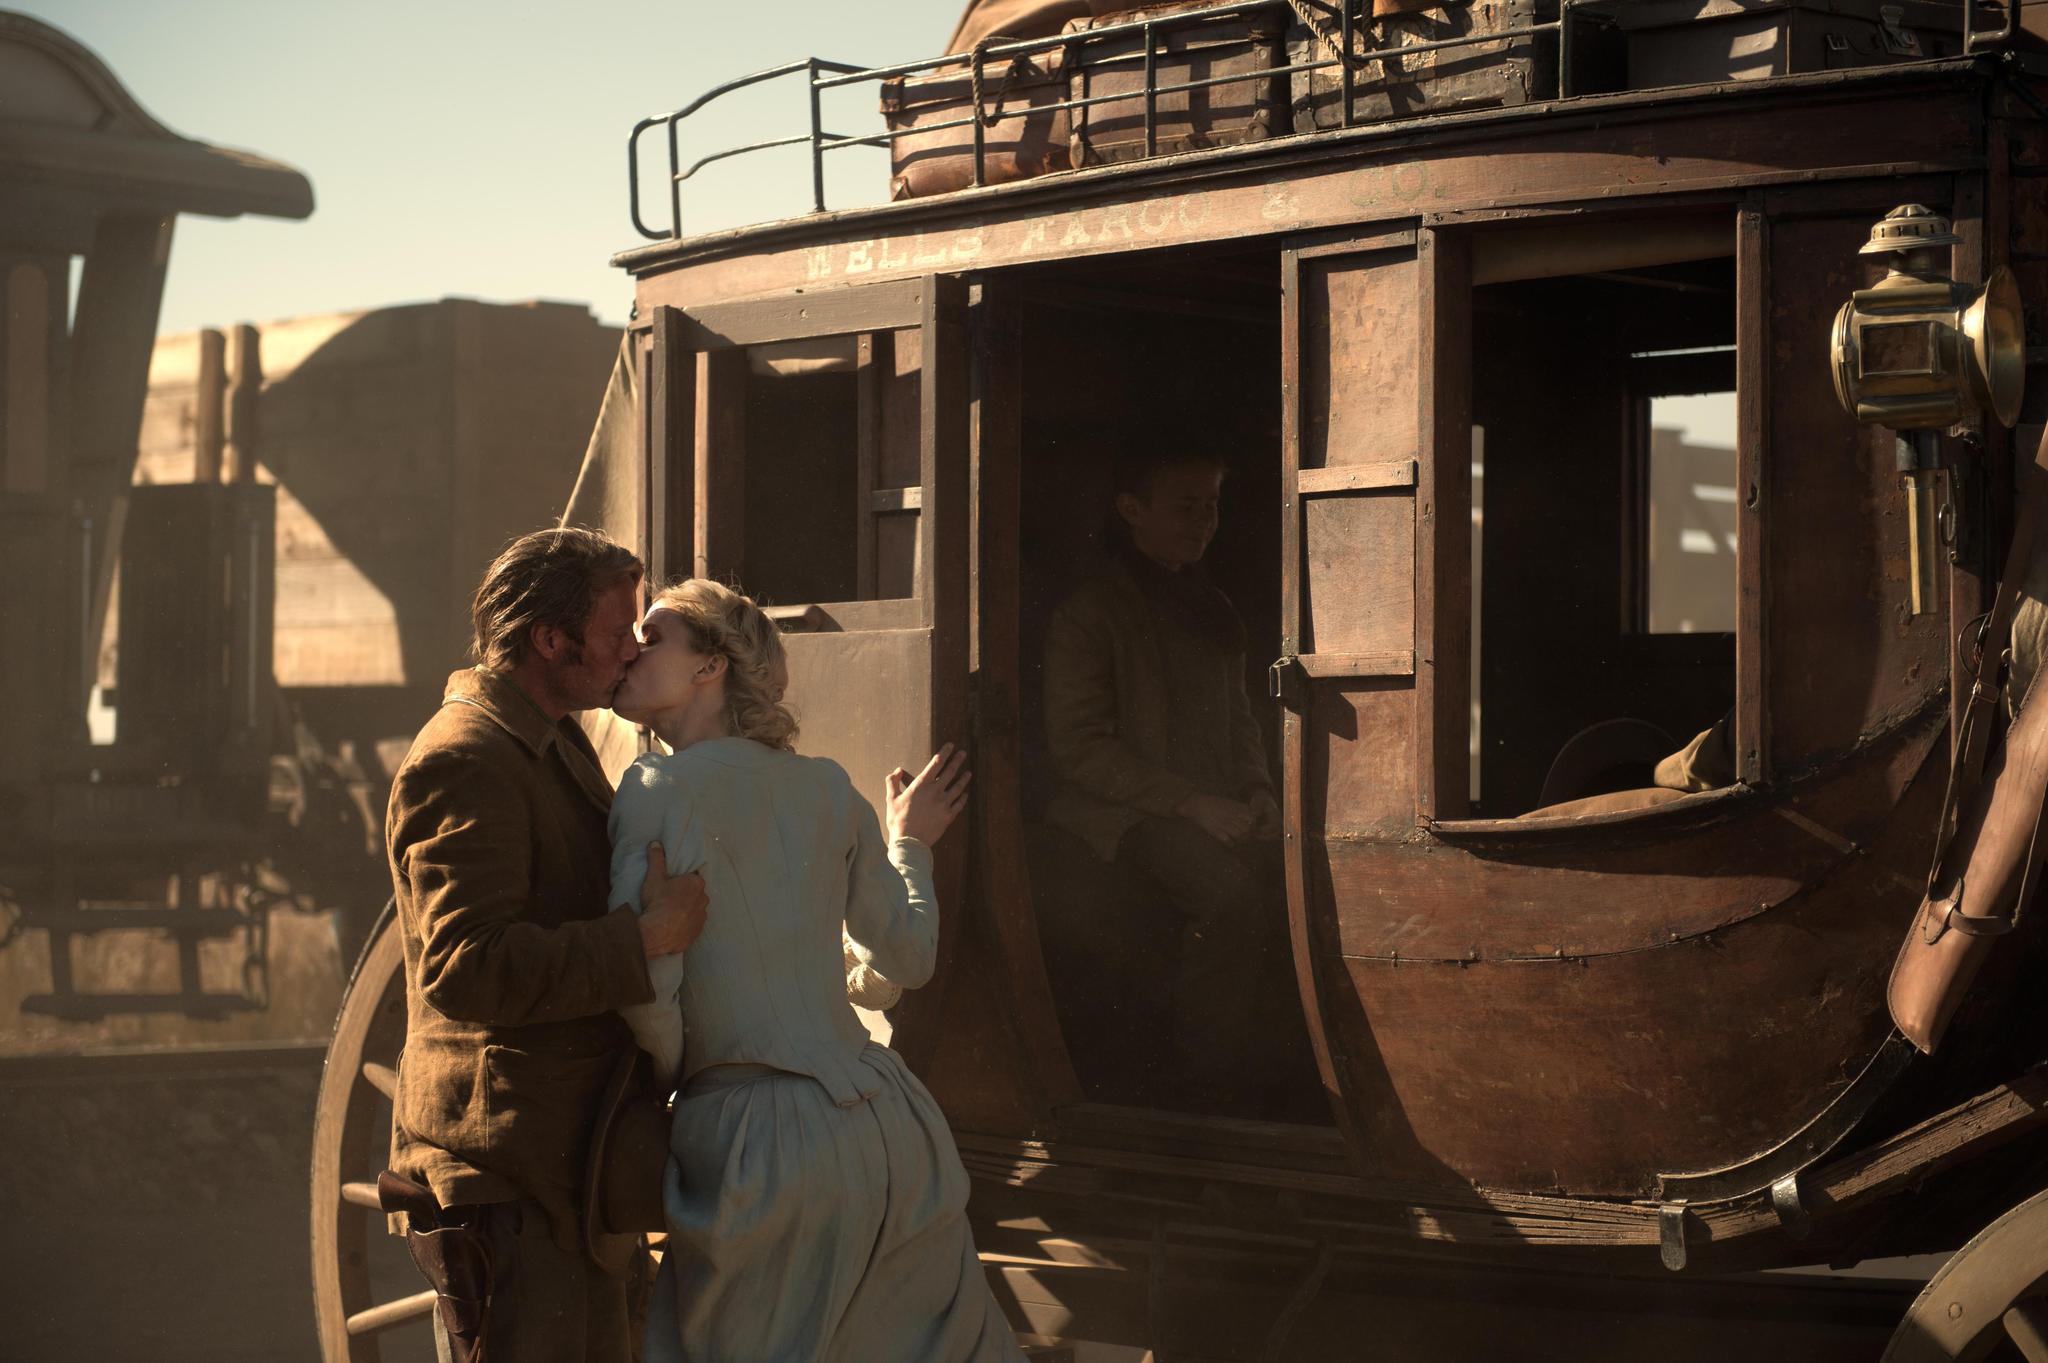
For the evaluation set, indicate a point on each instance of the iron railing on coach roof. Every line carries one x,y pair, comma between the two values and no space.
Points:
1336,37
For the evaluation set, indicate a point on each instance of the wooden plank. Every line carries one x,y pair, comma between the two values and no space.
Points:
720,449
1900,1161
1940,1142
872,355
643,361
1752,482
1362,761
1331,666
1359,566
943,580
1443,542
209,407
1390,473
1351,243
120,290
1360,367
1841,655
887,499
244,398
848,617
1808,199
1243,1140
671,450
1002,867
1310,941
898,462
1981,215
805,314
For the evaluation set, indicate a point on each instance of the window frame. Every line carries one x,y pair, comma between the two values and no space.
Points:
1443,569
696,436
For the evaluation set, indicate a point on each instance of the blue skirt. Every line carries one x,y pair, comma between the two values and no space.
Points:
800,1230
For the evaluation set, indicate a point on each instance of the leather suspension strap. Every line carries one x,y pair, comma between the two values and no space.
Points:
1994,661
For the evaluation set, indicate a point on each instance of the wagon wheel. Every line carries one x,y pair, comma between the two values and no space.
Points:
1989,1301
364,1286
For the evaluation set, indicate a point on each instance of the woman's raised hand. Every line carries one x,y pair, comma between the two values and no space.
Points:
924,806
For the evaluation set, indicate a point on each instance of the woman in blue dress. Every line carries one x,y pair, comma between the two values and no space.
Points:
816,1204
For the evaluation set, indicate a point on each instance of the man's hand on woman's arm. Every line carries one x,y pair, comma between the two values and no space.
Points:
673,908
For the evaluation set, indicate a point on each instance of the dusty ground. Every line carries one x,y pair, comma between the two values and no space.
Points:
156,1206
153,1208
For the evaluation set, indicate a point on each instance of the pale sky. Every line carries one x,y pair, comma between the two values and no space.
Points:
471,149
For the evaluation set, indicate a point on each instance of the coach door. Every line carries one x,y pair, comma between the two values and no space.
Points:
811,449
1366,434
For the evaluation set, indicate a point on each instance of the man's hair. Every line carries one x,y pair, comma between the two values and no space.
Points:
550,577
1136,469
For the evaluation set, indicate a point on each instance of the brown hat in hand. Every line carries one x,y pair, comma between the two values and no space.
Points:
628,1165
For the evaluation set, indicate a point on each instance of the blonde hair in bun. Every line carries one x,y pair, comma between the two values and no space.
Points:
725,623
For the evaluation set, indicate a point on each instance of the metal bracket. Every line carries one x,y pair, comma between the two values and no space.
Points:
1791,1210
1671,1235
1803,1146
1284,681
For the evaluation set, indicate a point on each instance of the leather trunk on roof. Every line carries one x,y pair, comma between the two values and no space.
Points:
1227,114
940,159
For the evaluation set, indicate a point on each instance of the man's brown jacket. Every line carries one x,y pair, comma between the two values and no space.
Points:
1145,701
514,959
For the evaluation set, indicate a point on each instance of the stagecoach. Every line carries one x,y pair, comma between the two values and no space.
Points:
1441,280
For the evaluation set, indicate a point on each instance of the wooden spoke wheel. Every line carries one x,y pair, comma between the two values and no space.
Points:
366,1293
1989,1301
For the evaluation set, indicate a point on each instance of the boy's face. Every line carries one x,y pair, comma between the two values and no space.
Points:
1174,521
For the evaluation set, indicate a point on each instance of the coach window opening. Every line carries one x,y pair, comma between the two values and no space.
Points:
1603,590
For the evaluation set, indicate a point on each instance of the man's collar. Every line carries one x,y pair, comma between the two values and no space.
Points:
1154,576
498,696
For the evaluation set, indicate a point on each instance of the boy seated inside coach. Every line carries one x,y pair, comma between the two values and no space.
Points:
1161,771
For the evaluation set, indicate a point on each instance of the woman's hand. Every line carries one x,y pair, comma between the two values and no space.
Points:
924,807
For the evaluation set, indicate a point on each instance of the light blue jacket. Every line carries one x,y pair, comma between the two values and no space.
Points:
788,851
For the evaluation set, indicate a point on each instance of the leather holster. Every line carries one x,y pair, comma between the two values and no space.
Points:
455,1260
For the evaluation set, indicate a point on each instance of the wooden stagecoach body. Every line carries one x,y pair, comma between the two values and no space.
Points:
1599,1037
1571,1005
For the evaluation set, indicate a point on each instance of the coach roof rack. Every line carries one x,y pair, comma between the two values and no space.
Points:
1333,27
1336,35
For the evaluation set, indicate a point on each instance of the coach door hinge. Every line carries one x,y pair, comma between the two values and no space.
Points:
1285,681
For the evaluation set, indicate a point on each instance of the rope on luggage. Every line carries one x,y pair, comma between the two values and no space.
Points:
975,74
1318,23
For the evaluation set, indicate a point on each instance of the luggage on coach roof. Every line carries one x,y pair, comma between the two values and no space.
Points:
1223,115
1484,75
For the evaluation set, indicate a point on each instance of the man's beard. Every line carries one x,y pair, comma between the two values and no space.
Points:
587,691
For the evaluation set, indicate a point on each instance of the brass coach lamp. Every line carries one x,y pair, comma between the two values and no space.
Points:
1919,352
